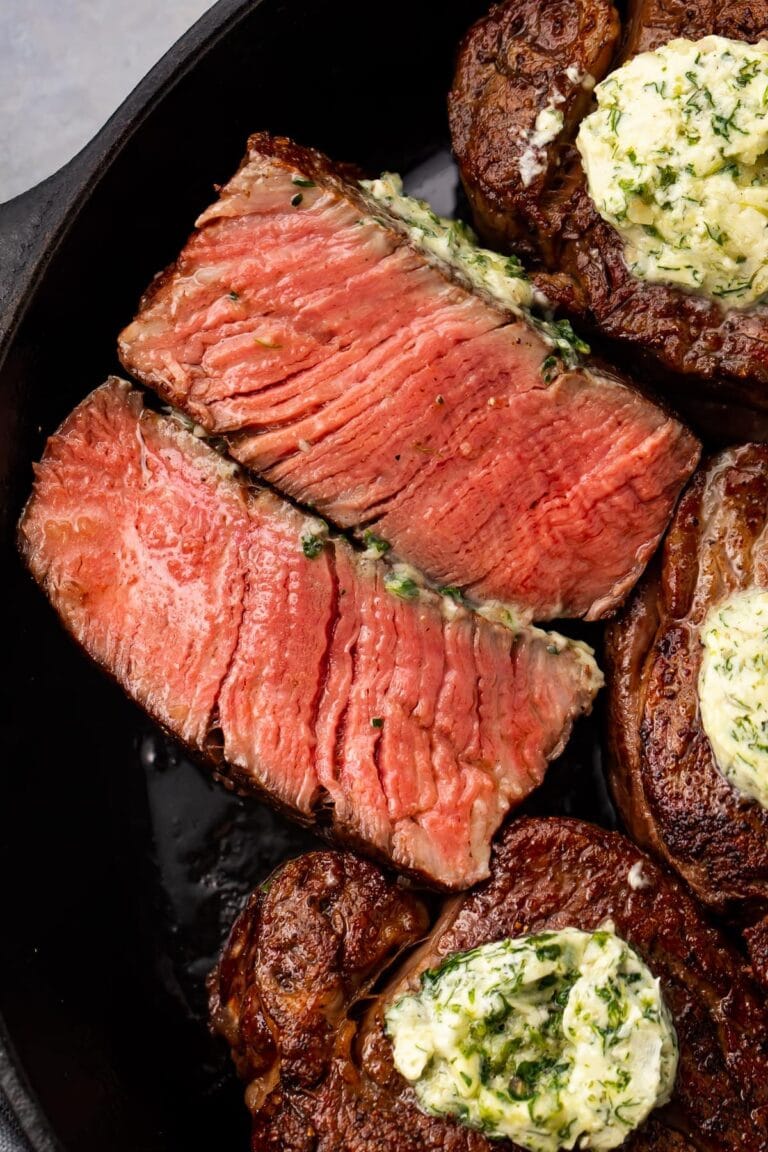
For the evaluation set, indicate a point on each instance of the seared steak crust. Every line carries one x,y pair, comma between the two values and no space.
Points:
663,774
359,378
650,23
318,933
545,874
553,221
510,64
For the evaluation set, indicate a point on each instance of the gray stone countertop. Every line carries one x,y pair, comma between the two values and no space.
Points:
65,66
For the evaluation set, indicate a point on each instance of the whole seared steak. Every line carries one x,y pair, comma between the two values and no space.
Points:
394,718
292,992
301,324
512,63
663,773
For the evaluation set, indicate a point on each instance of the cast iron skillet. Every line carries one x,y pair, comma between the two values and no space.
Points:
122,865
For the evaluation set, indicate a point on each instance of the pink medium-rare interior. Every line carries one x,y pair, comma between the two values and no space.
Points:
413,725
361,381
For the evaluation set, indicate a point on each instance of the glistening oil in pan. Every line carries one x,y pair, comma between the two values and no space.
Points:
210,848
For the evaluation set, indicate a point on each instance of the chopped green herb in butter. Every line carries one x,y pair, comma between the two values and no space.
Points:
452,592
399,583
375,545
557,1040
733,690
312,546
675,158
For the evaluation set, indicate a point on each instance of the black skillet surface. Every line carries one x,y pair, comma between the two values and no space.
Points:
122,865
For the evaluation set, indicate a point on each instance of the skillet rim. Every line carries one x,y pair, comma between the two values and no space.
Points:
33,225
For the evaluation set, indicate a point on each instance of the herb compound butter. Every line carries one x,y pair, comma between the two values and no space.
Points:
733,690
453,244
675,159
553,1041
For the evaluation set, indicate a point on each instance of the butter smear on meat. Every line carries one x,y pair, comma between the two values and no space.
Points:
733,690
675,159
451,244
556,1040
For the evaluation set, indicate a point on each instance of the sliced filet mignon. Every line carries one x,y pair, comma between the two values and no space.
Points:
663,773
300,323
291,994
403,722
511,65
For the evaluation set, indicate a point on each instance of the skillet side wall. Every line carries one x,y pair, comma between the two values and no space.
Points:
101,1029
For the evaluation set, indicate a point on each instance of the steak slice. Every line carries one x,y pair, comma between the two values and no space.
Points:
291,994
360,379
663,774
511,64
408,726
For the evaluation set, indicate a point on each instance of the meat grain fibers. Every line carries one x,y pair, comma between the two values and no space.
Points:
359,378
307,671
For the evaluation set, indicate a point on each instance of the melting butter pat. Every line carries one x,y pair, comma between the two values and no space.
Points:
454,244
675,159
555,1040
733,690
